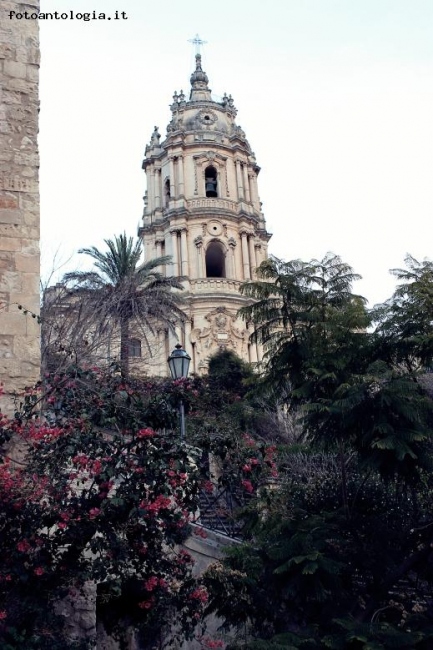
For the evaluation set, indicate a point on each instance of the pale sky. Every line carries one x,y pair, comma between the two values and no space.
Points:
335,97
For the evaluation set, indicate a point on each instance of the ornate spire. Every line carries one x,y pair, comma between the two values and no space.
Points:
199,83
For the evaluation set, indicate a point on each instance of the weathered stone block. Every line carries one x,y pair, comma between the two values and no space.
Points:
28,55
8,201
32,73
30,283
7,261
13,324
15,69
6,51
27,263
5,127
11,281
10,216
6,346
20,85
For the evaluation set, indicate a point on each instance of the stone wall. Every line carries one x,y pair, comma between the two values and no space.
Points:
19,197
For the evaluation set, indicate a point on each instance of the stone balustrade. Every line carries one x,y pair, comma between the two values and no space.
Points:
215,284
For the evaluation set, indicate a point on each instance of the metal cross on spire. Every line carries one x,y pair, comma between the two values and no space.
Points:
197,41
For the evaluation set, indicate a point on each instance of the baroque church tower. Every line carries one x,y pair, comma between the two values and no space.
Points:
202,207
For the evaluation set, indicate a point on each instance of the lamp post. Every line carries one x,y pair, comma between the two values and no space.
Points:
178,362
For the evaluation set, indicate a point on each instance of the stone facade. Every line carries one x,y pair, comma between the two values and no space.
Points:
202,207
19,198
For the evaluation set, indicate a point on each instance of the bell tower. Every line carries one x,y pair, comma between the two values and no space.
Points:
202,207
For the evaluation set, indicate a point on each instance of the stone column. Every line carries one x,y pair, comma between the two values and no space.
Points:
252,253
188,346
180,176
184,252
245,257
246,184
175,259
253,352
253,189
19,201
157,188
173,193
259,259
239,180
158,247
232,258
152,189
198,241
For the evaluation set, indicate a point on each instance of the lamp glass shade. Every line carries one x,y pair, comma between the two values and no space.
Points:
178,362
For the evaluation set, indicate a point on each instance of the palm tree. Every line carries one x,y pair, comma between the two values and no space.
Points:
122,292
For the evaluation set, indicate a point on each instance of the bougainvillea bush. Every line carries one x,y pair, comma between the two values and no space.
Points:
97,497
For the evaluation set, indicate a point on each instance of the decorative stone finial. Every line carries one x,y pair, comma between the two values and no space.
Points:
198,77
199,83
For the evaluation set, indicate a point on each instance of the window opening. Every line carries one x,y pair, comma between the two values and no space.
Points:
211,184
134,348
215,261
167,192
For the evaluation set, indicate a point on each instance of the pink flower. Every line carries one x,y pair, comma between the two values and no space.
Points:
207,642
151,583
200,594
145,433
145,604
23,546
246,468
39,571
94,512
248,486
208,487
3,615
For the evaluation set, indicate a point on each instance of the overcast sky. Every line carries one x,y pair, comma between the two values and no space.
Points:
335,97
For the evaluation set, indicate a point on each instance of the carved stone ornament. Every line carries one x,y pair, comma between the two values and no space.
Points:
214,228
221,321
207,117
222,331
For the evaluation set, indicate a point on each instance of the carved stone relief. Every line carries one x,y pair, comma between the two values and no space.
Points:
220,334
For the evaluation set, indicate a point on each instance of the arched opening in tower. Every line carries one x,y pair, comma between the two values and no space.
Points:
215,261
167,192
211,183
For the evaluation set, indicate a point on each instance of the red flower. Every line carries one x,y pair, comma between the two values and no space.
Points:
39,571
3,615
145,604
200,594
248,486
94,512
23,546
151,583
145,433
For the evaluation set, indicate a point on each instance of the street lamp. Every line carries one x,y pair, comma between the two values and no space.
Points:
178,362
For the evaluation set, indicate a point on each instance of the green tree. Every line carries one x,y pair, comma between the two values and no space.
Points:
125,293
405,322
340,556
